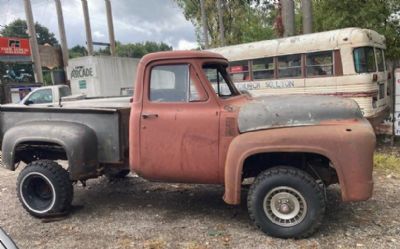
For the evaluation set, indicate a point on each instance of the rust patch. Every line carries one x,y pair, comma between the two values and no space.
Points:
230,127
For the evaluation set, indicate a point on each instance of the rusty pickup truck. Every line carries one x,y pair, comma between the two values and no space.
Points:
187,123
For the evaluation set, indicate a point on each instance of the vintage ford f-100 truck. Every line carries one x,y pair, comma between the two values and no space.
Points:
188,123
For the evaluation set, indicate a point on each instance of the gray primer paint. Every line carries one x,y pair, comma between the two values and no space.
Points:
294,110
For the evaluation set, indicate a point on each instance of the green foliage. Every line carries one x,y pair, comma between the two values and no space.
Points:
138,50
244,20
388,163
18,28
77,51
134,50
379,15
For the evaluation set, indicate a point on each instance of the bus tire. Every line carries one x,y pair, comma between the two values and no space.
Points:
44,189
286,202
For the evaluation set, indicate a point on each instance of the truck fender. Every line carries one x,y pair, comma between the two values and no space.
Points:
78,141
252,143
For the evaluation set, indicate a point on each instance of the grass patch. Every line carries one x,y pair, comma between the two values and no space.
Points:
387,163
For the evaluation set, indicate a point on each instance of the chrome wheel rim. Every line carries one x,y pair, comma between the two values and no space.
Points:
285,206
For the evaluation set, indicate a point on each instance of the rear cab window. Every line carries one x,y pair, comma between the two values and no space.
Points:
41,97
64,92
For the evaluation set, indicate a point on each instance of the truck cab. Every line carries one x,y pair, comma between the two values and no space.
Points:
46,96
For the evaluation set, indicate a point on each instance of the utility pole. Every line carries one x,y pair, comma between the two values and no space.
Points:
204,23
63,38
288,17
110,27
306,6
37,64
221,22
89,39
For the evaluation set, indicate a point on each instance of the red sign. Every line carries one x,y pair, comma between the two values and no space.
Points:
14,46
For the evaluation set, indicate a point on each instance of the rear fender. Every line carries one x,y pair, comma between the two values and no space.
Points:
78,141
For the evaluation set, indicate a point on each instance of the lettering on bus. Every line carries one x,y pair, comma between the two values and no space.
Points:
279,84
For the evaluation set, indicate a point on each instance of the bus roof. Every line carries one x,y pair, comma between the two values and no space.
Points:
328,40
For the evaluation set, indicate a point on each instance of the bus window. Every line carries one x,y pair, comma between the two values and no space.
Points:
380,59
263,68
239,71
320,63
364,60
289,66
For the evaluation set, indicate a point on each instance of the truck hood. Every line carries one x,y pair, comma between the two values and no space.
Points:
268,112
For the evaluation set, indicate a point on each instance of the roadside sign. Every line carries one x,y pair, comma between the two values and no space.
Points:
14,46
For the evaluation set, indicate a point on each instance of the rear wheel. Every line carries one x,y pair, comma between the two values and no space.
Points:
44,189
286,202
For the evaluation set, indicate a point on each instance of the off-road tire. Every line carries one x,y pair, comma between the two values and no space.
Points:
55,181
290,178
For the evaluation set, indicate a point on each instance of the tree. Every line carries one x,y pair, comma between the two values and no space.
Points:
77,51
382,16
18,28
244,20
138,50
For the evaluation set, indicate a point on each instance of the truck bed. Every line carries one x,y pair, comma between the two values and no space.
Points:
108,118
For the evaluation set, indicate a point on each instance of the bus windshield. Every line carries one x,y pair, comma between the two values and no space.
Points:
364,60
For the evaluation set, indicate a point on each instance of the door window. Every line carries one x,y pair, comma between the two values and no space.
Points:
174,83
41,97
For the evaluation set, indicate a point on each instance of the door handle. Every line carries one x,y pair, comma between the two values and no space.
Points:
149,115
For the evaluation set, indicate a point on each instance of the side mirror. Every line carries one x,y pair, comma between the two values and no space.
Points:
28,102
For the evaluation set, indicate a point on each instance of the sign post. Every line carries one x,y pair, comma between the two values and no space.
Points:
397,102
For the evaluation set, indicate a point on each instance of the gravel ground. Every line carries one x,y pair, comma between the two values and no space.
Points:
134,213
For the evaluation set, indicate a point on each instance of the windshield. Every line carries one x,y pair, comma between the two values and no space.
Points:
364,60
220,80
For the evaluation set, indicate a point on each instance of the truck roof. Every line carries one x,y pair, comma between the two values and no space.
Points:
180,55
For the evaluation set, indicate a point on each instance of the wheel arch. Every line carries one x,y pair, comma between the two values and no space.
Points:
240,151
78,143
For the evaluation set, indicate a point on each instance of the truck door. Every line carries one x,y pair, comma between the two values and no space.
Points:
179,127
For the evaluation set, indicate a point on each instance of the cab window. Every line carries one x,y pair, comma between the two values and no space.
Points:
174,83
41,97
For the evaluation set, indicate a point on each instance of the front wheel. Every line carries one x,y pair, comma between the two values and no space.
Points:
44,189
286,202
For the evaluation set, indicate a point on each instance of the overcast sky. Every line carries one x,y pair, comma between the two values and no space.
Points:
134,20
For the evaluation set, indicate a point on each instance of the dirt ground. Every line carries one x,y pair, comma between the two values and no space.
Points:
134,213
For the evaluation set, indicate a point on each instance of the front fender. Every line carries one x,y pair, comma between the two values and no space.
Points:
78,140
349,146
